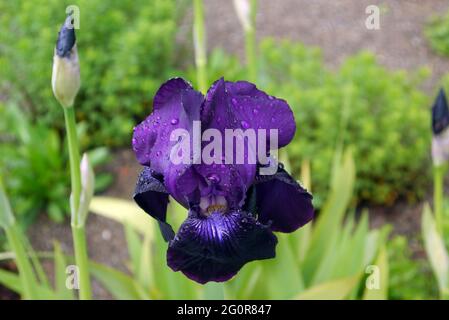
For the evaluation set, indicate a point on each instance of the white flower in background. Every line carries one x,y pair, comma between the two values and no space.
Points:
65,78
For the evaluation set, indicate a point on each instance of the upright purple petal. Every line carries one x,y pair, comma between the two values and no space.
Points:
175,106
245,107
281,201
215,248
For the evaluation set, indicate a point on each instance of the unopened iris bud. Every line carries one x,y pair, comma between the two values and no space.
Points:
243,9
87,191
65,78
440,128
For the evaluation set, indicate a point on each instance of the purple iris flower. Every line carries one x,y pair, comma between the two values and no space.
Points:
233,210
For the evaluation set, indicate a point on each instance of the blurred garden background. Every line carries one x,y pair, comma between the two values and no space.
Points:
362,100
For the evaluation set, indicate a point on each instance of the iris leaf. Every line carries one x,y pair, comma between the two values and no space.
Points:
332,290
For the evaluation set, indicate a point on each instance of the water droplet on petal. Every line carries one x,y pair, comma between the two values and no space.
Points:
255,111
213,178
245,124
174,121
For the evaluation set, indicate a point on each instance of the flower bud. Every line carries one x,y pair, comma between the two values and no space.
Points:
65,78
440,128
440,113
87,191
243,9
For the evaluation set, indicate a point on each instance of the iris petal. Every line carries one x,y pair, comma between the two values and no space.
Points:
175,106
281,201
151,196
215,248
251,108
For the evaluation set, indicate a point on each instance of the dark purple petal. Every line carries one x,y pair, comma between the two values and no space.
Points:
151,196
282,201
175,106
217,113
214,248
242,105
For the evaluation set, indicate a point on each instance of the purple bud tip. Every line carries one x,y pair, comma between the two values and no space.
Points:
440,113
66,38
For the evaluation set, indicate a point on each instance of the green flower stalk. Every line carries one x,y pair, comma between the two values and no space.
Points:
246,12
199,40
65,84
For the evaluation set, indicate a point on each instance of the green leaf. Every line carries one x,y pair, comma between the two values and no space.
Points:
380,293
134,243
120,285
122,211
213,291
435,249
6,215
60,274
331,290
11,281
326,231
283,278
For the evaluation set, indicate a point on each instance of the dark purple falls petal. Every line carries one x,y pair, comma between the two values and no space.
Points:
281,201
216,247
151,196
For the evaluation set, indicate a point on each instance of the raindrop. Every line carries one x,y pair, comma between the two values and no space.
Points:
174,121
245,124
213,178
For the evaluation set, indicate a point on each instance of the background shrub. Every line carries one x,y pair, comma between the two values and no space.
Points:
34,166
125,53
437,33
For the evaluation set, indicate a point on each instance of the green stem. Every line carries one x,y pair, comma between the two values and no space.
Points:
199,35
29,282
78,231
82,261
250,44
438,177
74,156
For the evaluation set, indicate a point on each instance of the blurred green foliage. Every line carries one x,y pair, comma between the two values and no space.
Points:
437,32
125,53
34,166
410,277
